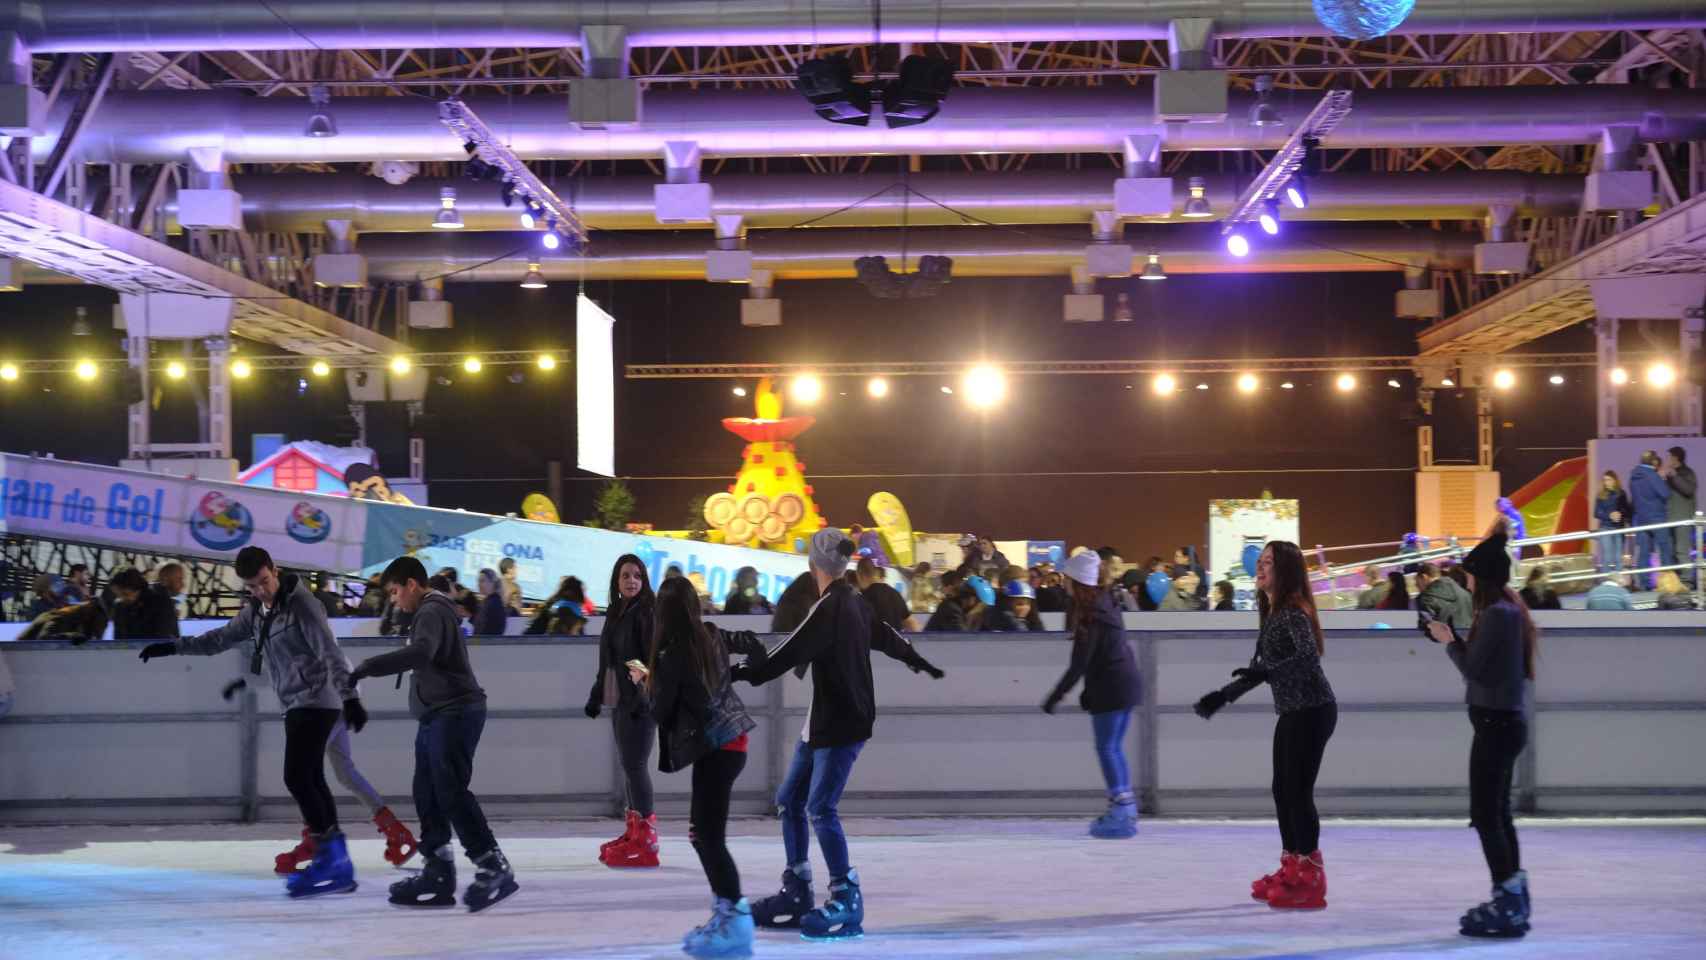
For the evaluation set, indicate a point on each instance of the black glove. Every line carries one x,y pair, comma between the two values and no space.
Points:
164,648
1252,673
592,709
1050,704
1210,704
921,665
232,688
740,671
355,715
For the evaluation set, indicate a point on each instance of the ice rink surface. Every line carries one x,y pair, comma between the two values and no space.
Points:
940,888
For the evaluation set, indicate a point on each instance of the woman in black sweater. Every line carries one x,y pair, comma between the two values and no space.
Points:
702,724
1103,659
1288,659
1497,662
627,636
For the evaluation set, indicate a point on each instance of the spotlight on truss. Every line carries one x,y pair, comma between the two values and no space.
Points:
932,275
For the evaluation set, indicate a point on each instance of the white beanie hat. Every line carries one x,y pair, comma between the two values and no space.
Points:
1085,568
830,551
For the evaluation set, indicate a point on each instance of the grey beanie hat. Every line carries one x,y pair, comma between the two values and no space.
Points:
830,551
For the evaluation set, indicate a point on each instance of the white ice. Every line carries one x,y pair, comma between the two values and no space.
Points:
1619,889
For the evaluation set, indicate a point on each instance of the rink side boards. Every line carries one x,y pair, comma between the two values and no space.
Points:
1620,700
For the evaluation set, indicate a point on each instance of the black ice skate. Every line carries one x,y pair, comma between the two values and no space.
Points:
434,886
494,881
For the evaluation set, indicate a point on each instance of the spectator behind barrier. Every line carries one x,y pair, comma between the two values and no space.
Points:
1673,593
563,613
1610,594
1224,593
1371,598
1397,594
1443,599
141,612
1537,592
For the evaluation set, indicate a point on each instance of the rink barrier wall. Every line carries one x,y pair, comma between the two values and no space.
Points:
96,736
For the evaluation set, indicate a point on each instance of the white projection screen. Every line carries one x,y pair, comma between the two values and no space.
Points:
595,389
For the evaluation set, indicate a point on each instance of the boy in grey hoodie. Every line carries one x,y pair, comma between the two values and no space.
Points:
451,708
286,628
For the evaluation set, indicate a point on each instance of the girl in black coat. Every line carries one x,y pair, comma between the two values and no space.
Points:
702,724
1103,659
1288,659
627,636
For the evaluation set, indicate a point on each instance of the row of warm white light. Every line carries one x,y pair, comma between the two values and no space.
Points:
88,370
982,386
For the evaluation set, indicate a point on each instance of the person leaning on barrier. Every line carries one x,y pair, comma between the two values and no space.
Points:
141,612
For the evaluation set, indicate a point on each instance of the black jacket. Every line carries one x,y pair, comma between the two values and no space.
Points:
795,602
1539,601
492,620
628,637
441,677
739,604
949,617
152,617
1103,659
836,640
681,704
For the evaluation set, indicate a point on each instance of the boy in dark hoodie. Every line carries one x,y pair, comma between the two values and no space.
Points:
451,707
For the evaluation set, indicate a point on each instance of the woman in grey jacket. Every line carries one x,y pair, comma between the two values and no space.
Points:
1497,662
288,630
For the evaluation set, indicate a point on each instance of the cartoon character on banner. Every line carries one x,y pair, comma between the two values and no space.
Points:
366,483
221,523
308,523
537,506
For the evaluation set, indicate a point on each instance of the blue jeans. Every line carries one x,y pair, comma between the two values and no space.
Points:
811,793
1110,730
444,766
1645,541
1610,552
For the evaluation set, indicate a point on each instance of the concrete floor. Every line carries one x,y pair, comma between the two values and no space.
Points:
935,889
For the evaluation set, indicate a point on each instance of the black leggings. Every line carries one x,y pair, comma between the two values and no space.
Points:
306,730
634,736
713,780
1300,739
1500,736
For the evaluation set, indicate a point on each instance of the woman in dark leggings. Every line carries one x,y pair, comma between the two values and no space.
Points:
1497,662
702,724
1288,659
627,636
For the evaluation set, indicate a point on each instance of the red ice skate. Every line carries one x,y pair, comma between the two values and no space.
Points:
292,861
627,835
1264,887
399,842
638,850
1303,886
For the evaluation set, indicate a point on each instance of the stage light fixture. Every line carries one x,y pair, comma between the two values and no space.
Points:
1345,383
739,391
1619,376
1197,207
916,94
947,390
1394,384
1237,245
176,370
877,387
1661,376
240,370
985,386
448,217
1248,382
546,362
932,275
827,82
1504,378
1297,189
1288,385
527,221
1163,384
550,240
1557,379
1263,113
806,388
9,372
320,124
1202,386
534,279
400,365
1447,382
1269,217
472,365
1296,193
1152,270
321,369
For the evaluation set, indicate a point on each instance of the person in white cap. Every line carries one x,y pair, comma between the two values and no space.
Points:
835,641
1103,659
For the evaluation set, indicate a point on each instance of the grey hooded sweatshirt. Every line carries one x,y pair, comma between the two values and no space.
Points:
437,655
302,658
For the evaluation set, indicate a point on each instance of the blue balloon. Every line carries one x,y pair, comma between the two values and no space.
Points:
1252,553
1158,585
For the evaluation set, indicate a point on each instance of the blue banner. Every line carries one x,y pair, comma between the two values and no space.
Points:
544,553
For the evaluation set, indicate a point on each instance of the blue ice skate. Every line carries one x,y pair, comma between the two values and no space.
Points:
1119,822
727,934
329,872
1503,917
842,917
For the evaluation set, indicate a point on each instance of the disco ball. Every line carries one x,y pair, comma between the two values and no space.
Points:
1362,19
